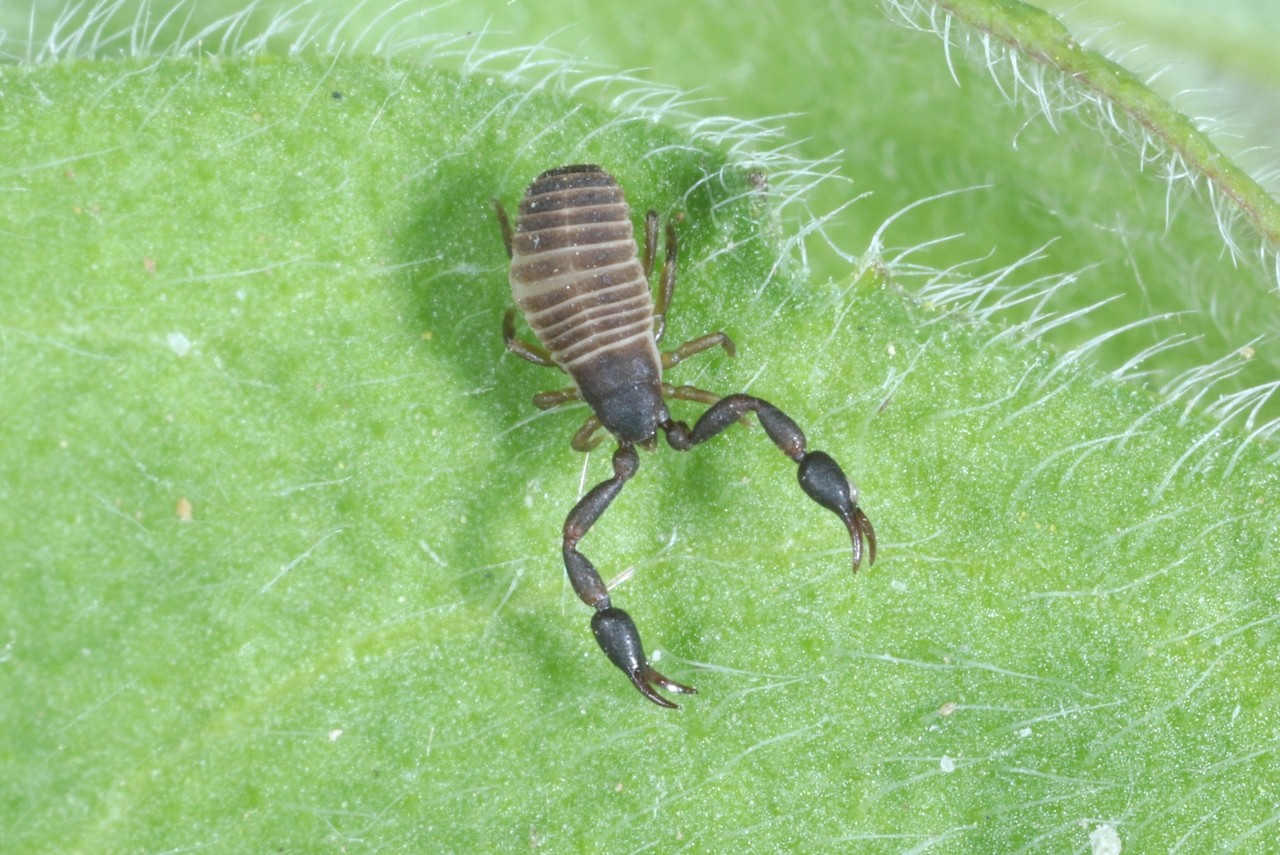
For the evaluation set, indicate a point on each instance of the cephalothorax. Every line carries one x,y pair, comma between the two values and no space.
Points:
576,277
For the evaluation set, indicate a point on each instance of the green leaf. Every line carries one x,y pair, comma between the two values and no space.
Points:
279,527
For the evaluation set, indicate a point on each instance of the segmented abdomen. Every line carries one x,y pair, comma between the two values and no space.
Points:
574,270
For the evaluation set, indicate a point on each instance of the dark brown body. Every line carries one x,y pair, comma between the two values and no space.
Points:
576,276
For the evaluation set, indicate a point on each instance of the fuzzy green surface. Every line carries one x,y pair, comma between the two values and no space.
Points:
225,286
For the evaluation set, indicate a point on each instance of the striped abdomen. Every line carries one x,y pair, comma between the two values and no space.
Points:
576,276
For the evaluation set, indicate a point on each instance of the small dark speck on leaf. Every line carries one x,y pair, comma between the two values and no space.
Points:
337,96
